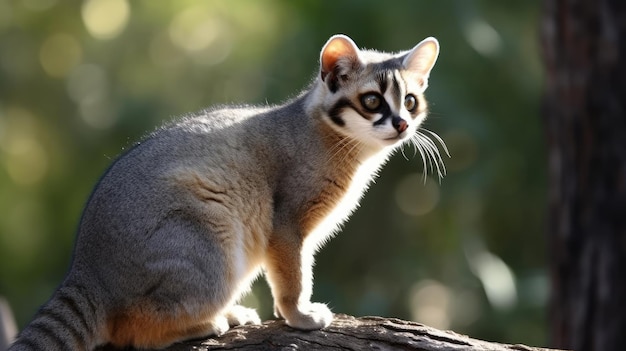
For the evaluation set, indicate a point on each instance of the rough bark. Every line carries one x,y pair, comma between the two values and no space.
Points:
585,117
345,333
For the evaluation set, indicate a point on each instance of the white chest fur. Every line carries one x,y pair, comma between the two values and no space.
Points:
363,177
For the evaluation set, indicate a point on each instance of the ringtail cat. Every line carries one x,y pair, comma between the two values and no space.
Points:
180,225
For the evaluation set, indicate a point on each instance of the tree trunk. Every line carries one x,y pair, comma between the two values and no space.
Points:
585,117
345,333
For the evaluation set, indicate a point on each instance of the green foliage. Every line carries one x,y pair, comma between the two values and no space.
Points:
80,82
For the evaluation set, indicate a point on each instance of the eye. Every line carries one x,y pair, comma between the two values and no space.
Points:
410,102
371,101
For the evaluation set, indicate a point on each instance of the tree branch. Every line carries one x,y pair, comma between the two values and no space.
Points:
345,333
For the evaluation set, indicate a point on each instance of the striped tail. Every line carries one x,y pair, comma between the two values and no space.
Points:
69,321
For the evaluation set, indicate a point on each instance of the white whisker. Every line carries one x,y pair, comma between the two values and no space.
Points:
403,154
436,156
418,147
443,145
432,158
438,138
429,152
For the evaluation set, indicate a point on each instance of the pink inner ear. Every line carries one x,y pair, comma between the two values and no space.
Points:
331,55
333,51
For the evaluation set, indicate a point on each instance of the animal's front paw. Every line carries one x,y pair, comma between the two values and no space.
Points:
219,326
239,315
311,316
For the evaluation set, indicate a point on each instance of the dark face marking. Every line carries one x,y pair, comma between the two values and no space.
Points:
388,65
383,81
335,112
395,89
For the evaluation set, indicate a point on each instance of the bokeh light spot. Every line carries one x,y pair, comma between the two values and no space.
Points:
88,86
430,303
496,277
105,19
483,37
25,158
204,38
87,83
414,197
98,114
59,54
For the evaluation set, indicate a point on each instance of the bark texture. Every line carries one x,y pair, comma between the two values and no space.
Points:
584,46
345,333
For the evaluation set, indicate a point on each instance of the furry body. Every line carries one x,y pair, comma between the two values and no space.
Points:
180,225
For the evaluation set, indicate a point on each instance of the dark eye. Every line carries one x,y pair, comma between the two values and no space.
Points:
410,102
371,101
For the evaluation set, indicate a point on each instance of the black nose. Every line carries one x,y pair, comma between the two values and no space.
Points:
399,124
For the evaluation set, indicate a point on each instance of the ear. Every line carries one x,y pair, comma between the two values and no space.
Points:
338,50
422,57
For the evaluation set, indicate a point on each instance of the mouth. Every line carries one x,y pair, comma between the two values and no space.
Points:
395,140
397,137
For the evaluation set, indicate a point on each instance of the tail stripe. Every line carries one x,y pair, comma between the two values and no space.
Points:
62,324
50,335
29,345
68,321
92,307
70,302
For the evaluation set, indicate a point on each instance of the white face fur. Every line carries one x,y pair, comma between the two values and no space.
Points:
373,97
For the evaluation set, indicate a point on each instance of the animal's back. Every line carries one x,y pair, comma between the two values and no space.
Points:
194,173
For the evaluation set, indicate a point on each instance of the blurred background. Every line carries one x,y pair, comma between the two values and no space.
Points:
80,82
